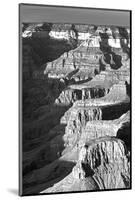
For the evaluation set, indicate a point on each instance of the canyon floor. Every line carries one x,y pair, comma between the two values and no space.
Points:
76,108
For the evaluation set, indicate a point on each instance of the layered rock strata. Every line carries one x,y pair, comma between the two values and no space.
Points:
79,136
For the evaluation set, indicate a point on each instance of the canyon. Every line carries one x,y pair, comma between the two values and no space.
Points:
76,108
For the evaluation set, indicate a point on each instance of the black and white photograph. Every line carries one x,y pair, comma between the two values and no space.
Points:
75,99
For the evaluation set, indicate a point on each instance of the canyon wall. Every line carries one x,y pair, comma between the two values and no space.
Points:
76,112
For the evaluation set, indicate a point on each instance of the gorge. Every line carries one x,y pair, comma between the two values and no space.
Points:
76,108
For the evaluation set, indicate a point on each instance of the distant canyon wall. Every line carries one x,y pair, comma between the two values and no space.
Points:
79,32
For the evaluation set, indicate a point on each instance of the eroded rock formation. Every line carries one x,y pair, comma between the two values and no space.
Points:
76,112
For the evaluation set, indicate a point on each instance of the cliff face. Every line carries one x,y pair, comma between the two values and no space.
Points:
102,164
75,64
106,161
76,129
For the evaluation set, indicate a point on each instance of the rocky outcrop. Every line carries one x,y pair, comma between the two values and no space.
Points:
106,161
118,94
103,47
103,128
102,164
103,161
69,95
79,58
113,100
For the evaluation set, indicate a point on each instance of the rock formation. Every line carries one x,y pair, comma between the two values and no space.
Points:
76,108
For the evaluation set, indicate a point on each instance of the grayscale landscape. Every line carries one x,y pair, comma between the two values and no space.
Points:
76,108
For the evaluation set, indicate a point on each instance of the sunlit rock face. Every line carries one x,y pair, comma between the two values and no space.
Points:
104,47
91,43
102,164
78,64
106,161
76,112
102,128
69,96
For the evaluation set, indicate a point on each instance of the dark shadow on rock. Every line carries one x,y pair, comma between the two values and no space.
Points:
39,51
124,134
88,171
39,117
115,111
47,154
124,35
117,61
72,73
109,57
40,92
82,81
55,174
46,49
128,88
